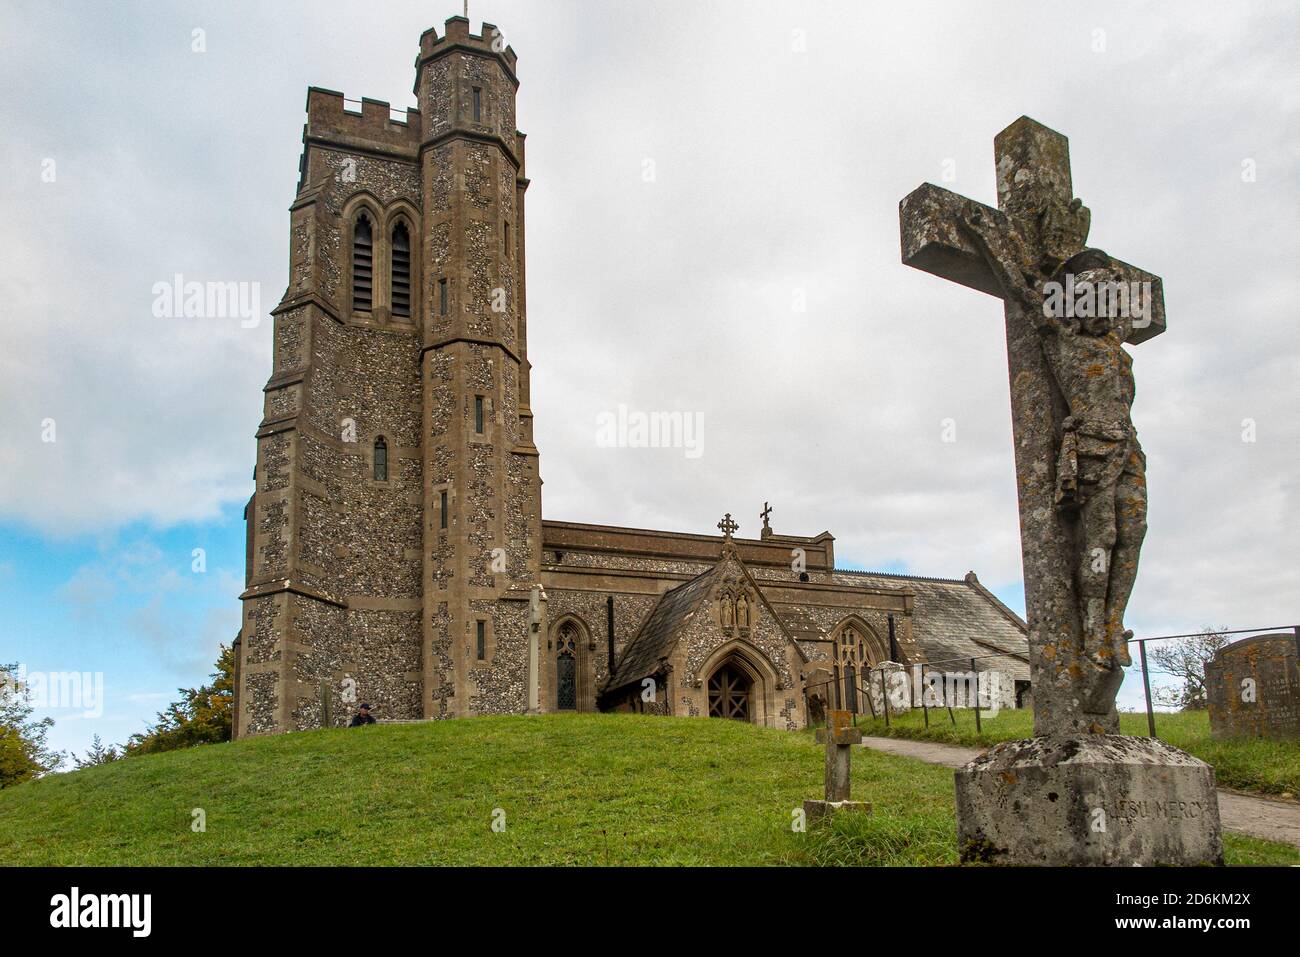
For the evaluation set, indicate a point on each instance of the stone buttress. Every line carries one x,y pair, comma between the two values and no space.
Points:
482,491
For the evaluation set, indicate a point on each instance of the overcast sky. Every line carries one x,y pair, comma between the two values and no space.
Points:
781,137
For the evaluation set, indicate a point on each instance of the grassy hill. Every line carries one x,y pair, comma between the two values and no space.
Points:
574,789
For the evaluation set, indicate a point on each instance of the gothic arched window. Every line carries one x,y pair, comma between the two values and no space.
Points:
851,648
851,660
381,460
401,271
363,266
566,668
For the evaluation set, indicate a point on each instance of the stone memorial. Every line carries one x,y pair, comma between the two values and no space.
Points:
1078,792
840,737
1253,687
888,687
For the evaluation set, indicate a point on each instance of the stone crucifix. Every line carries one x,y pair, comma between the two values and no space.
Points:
1080,472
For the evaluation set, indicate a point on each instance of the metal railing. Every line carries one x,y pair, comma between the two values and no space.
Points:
1146,671
839,683
842,684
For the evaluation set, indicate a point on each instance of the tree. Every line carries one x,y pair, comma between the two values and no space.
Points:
202,716
24,753
98,754
1185,660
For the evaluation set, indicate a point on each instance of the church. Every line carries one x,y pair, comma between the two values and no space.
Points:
396,548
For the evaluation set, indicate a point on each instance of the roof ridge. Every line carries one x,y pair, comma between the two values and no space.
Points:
997,603
707,571
920,578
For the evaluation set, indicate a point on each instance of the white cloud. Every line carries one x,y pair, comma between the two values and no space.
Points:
776,171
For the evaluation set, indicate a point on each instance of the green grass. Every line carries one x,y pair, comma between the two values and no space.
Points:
1254,764
575,789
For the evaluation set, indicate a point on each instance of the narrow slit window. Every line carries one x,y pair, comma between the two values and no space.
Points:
363,266
480,639
478,103
381,460
442,507
505,238
442,296
478,414
401,271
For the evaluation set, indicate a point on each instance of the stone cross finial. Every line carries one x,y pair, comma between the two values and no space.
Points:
767,510
727,526
1080,470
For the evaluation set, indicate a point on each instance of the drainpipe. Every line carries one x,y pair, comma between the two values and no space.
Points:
609,625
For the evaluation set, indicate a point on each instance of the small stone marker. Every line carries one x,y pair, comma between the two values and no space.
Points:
840,737
1254,689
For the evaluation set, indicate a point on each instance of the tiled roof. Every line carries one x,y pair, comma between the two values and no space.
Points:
953,621
959,619
659,631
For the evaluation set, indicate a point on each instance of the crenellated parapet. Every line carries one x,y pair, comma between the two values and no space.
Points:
456,36
466,89
330,120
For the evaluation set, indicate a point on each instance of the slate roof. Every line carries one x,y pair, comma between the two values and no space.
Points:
659,632
959,618
952,619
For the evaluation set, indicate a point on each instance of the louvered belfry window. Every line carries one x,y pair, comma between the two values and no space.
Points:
401,271
363,265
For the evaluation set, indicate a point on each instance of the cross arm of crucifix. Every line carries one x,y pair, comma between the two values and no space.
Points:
978,246
1003,253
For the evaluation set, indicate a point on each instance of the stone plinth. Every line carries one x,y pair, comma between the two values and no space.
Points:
1103,799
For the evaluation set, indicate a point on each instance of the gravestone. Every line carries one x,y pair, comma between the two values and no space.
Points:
840,738
1078,792
817,685
888,687
1253,687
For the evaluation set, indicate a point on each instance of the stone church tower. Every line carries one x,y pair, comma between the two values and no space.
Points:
396,551
394,536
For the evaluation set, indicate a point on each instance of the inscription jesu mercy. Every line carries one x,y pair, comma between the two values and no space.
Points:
1128,810
1081,474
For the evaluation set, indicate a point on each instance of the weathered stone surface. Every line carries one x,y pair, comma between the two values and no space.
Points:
1254,688
1079,793
1080,471
888,685
841,736
1089,800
